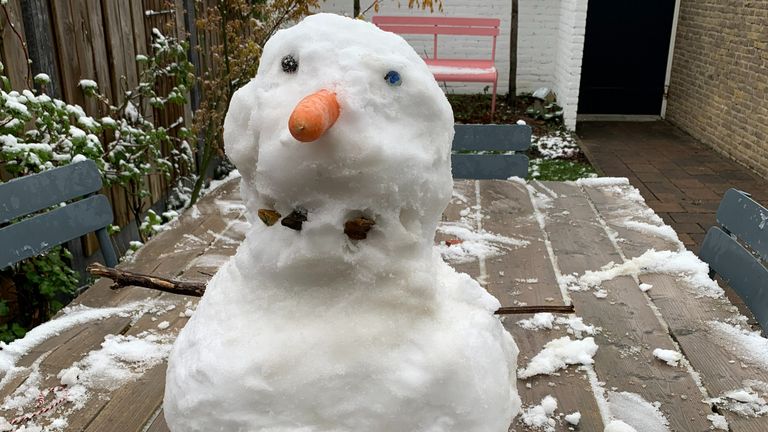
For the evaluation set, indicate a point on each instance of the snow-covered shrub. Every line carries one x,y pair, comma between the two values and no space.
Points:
39,132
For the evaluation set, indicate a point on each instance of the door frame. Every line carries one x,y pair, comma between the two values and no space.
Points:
670,57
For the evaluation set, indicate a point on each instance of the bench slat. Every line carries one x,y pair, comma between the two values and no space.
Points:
431,30
740,269
492,137
36,235
489,166
744,217
446,21
25,195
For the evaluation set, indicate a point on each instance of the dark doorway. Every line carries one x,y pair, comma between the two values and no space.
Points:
625,56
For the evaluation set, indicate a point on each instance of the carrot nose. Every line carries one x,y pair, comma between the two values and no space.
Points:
314,115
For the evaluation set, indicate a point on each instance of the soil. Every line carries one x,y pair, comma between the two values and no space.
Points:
476,109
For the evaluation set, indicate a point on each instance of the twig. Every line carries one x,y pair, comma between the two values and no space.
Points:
124,278
517,310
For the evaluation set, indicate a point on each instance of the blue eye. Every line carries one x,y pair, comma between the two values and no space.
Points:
393,78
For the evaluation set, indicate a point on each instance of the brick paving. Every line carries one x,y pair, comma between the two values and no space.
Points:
681,179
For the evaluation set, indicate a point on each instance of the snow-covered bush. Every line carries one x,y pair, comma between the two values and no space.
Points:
39,132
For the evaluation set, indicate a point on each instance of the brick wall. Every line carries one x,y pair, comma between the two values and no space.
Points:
719,82
550,42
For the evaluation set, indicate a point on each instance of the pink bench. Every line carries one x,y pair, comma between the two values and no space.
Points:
451,69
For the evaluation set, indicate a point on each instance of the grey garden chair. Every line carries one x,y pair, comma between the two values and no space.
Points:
490,151
22,238
737,250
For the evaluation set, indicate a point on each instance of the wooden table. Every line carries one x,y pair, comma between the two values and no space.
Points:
579,227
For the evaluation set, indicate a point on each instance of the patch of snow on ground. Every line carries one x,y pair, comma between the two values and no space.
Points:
474,244
718,422
686,266
745,401
542,320
576,326
545,320
749,346
664,231
558,354
601,181
121,359
561,146
671,357
10,353
540,417
638,413
619,426
573,418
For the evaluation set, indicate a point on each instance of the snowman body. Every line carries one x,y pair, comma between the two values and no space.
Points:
309,330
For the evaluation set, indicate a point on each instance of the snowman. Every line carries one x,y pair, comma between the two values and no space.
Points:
337,313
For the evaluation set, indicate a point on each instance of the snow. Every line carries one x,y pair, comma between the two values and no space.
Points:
10,353
645,287
42,78
573,418
558,354
671,357
619,426
297,321
601,181
747,345
558,146
163,325
684,265
539,417
635,411
545,320
744,401
121,359
87,84
718,421
79,158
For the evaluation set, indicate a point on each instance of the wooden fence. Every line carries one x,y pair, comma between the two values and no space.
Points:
71,40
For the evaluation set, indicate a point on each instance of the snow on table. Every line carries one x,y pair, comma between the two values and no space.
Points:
101,367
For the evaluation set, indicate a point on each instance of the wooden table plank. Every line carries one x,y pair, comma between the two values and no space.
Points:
631,330
685,311
510,213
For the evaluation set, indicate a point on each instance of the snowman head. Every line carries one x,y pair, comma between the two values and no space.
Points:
344,119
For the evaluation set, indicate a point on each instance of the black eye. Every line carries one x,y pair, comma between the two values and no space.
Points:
289,64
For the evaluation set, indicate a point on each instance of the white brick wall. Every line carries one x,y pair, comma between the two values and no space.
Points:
550,42
570,51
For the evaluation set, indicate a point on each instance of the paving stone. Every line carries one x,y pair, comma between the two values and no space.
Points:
680,178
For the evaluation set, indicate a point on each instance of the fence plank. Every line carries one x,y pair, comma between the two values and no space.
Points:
64,29
11,48
99,45
39,35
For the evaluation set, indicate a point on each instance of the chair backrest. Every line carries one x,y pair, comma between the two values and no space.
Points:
37,234
440,26
489,151
738,250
